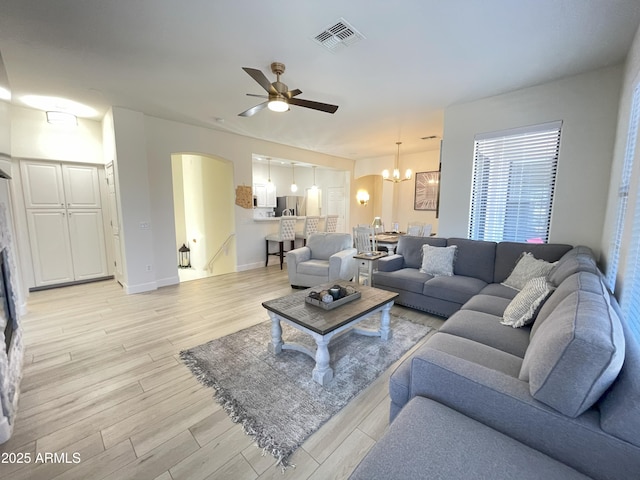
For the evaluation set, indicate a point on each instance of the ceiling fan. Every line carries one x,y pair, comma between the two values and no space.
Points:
280,97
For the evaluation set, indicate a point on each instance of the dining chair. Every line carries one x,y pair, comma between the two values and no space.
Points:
310,226
415,229
286,232
331,223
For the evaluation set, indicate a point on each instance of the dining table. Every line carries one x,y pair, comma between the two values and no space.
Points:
389,240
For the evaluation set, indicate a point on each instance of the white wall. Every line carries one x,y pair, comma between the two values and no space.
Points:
148,191
395,202
137,225
587,104
32,137
630,80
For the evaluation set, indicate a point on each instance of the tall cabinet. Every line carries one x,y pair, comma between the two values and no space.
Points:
64,217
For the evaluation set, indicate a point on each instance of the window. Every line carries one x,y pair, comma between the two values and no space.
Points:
623,191
514,176
630,301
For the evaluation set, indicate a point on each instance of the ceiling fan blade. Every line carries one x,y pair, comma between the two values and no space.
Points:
253,110
323,107
254,95
259,77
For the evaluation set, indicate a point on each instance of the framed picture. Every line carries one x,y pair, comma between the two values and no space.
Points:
427,190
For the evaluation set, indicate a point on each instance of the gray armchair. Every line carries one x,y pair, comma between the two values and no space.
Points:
325,258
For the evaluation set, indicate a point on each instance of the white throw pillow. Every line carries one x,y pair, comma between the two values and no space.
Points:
438,261
528,267
524,306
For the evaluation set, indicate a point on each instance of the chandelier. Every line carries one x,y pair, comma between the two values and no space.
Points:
395,178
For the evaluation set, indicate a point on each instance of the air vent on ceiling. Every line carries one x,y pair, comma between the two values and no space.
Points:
337,36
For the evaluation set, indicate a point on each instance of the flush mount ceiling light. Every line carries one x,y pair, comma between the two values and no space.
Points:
62,118
57,104
395,178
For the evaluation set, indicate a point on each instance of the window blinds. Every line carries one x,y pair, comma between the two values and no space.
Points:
623,191
630,301
514,176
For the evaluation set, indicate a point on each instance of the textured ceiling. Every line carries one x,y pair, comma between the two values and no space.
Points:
183,60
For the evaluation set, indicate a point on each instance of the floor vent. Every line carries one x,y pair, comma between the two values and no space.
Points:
338,36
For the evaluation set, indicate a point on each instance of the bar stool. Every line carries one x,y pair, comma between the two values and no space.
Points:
331,223
286,232
310,226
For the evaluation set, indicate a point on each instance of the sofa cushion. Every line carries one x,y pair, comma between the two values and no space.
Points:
438,261
508,254
487,304
578,259
404,279
457,288
578,281
522,309
431,440
575,355
528,267
323,245
486,329
411,248
314,267
474,258
499,290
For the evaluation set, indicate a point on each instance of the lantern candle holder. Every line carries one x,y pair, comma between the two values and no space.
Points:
184,257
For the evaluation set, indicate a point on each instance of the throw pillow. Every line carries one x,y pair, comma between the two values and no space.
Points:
438,261
528,267
522,309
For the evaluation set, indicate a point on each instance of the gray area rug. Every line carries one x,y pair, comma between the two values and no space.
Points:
274,396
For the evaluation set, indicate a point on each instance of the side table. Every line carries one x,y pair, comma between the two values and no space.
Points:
369,257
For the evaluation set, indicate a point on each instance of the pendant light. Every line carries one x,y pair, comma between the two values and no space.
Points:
395,178
269,183
314,186
294,187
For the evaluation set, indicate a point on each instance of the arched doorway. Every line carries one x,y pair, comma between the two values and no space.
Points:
204,214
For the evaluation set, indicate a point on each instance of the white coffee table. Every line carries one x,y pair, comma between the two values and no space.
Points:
323,325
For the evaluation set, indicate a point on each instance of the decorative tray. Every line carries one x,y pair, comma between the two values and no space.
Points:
334,304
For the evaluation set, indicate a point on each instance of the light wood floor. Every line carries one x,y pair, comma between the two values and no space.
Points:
103,379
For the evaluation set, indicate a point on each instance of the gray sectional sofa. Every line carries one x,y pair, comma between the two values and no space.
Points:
556,399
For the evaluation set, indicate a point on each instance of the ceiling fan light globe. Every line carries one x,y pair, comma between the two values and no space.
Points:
278,106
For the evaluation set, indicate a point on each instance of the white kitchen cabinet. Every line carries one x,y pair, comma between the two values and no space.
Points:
265,195
64,217
42,185
50,246
86,235
66,245
81,186
55,185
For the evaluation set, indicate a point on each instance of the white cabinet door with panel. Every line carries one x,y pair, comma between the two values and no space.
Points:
86,234
42,184
81,186
50,246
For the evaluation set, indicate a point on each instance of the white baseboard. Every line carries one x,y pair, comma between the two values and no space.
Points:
140,288
250,266
165,282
